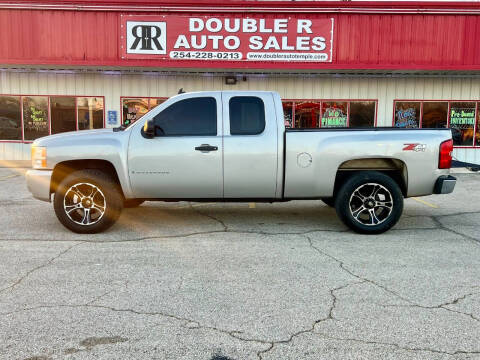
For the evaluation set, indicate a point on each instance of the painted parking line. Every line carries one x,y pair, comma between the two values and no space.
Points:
8,177
193,205
425,202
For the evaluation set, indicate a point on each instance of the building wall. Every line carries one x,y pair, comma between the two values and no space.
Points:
114,85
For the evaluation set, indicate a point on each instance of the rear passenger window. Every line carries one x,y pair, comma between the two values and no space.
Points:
247,115
188,117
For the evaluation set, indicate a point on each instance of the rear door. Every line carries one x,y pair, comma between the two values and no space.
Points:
250,145
184,159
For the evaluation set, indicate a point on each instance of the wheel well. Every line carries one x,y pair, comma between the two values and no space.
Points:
394,168
65,168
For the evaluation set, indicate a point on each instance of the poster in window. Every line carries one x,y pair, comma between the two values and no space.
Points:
10,118
477,133
334,114
407,114
35,117
134,109
462,123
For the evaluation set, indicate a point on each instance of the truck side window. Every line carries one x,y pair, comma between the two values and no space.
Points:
247,115
188,117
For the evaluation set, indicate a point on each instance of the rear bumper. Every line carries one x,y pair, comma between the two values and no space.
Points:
38,183
445,184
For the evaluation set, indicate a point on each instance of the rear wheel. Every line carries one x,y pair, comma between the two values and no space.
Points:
369,202
88,201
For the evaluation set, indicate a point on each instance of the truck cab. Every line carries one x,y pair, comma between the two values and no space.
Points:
226,141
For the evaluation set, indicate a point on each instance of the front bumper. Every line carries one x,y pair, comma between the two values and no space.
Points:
445,184
38,183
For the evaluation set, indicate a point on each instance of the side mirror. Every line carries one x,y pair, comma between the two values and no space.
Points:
149,129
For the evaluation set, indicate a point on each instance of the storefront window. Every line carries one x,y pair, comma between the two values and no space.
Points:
288,113
62,114
90,113
10,118
133,109
35,117
462,122
362,114
435,114
407,114
334,114
307,114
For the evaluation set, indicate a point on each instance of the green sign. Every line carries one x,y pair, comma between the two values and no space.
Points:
462,116
334,118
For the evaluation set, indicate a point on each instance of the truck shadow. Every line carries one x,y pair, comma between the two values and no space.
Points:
288,217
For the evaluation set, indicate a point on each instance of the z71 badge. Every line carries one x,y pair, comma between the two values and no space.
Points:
415,147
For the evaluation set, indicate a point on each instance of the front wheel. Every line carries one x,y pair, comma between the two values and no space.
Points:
369,202
88,201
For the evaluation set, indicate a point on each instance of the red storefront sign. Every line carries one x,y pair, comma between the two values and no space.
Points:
270,38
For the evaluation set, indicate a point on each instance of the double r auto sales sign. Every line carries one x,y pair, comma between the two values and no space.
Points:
227,38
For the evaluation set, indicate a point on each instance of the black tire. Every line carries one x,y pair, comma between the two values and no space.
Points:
385,200
94,190
330,201
132,203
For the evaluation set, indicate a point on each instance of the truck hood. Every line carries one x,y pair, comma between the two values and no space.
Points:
70,135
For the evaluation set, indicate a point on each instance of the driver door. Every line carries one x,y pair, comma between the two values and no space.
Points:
184,159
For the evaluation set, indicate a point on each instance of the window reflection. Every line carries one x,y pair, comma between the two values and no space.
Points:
307,114
90,113
435,114
10,118
362,114
62,114
288,113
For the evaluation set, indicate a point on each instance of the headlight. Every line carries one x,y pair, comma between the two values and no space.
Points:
39,157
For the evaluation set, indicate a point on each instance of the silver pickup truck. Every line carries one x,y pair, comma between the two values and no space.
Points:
233,146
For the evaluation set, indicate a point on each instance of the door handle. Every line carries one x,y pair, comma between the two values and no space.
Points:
206,148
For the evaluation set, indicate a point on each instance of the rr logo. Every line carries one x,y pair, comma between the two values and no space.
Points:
146,37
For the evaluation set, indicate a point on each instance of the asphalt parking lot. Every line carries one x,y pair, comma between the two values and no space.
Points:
240,281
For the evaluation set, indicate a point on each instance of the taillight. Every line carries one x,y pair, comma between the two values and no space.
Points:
445,158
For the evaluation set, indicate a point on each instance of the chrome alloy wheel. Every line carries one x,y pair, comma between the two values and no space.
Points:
84,203
371,204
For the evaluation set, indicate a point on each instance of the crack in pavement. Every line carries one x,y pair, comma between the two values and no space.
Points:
41,266
191,324
156,237
442,306
443,227
186,323
400,347
351,273
316,322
